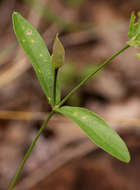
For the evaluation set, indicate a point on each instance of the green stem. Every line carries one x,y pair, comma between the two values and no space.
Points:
55,81
52,112
91,74
30,150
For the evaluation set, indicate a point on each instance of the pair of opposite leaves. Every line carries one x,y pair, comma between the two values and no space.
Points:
94,126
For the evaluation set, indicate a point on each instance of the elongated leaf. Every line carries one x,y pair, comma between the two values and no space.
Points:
98,131
36,50
131,32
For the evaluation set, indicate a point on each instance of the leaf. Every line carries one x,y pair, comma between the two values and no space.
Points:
134,31
131,25
37,52
134,28
58,89
58,54
98,131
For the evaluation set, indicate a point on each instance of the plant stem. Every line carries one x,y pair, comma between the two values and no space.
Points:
91,74
55,80
30,150
52,112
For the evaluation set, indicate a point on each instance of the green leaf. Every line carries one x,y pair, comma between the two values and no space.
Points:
131,25
37,52
134,28
58,54
134,31
98,131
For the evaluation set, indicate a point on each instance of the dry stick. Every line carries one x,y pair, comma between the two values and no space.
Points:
27,116
21,115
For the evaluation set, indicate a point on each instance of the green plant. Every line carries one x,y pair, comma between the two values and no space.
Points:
47,67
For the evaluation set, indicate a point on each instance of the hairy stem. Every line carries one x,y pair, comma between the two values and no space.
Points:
30,150
91,74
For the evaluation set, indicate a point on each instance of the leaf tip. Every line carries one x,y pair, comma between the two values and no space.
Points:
133,13
125,157
14,15
128,159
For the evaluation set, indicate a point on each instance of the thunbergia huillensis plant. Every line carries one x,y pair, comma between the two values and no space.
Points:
47,66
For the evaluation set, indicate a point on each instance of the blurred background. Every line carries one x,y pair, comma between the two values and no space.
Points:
64,158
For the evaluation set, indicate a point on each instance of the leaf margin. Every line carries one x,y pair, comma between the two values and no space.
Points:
63,110
47,83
